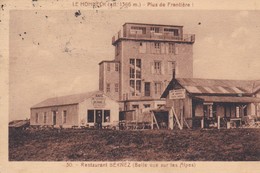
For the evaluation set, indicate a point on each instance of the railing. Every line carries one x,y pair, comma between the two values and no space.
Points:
158,36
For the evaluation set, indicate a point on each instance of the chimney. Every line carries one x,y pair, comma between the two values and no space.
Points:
173,73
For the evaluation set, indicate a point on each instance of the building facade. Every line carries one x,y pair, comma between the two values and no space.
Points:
76,111
211,98
145,57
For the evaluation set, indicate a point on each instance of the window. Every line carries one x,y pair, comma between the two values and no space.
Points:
176,32
64,117
108,67
160,105
108,87
138,74
132,87
36,118
135,76
137,30
157,67
138,85
172,31
171,67
107,115
135,106
157,48
155,29
138,63
171,48
90,116
132,84
132,72
147,89
116,87
135,87
116,67
44,117
132,62
156,45
157,88
147,105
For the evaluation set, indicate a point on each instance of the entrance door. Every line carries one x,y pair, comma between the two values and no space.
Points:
54,117
99,117
227,110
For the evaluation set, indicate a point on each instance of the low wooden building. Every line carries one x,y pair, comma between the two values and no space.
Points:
211,98
75,111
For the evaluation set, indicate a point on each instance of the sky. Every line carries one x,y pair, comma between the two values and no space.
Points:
55,52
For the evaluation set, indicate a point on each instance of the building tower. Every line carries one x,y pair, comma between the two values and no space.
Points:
145,57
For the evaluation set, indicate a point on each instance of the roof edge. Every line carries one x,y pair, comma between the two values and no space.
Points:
35,106
149,24
109,61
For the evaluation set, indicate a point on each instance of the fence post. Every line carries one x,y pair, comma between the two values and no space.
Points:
151,120
202,123
218,122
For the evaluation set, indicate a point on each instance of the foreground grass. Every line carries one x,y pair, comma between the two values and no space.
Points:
149,145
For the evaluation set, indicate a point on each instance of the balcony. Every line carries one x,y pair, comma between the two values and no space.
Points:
188,38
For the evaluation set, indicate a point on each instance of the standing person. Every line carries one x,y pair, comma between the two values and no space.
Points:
99,120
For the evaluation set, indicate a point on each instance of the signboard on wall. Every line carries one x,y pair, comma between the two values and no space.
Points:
98,101
177,94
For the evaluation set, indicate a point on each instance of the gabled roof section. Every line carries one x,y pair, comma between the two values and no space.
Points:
214,86
19,123
65,100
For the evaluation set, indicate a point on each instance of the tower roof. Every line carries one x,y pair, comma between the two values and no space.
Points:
149,24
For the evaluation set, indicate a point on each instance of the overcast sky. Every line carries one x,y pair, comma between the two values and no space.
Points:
54,53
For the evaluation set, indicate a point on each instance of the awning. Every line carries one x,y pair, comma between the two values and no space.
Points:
225,99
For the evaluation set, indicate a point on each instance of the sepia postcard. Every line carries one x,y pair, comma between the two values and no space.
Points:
136,86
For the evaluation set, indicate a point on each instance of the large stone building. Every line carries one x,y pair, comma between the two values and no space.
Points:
145,57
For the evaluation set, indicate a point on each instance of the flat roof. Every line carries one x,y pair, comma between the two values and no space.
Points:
109,61
149,24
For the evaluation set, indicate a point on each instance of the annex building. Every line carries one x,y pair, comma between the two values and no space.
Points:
76,111
145,57
208,99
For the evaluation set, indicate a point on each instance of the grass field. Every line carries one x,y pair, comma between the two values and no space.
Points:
148,145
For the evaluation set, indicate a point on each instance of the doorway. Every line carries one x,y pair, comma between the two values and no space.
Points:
99,118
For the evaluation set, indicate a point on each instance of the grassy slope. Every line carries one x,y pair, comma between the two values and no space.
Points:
108,145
